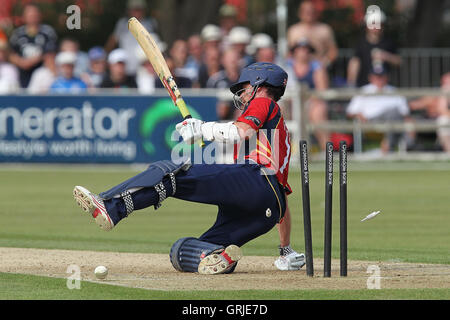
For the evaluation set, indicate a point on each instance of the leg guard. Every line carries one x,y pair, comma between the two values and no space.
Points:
186,253
152,177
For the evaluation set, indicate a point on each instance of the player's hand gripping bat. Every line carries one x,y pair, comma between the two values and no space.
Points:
159,64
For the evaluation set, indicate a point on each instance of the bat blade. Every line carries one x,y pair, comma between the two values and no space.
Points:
159,64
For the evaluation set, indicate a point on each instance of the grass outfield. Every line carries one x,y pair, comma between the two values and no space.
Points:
19,287
38,211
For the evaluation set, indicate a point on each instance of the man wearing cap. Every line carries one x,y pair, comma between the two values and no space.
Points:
239,38
123,38
97,67
66,81
117,77
374,48
379,107
262,48
211,36
73,45
227,15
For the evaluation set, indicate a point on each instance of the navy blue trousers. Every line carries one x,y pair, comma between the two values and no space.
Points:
249,201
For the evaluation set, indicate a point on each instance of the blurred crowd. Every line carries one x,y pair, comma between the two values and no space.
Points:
34,59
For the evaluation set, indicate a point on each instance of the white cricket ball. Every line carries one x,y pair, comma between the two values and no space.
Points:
101,272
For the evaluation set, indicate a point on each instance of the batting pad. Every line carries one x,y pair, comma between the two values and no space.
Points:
186,253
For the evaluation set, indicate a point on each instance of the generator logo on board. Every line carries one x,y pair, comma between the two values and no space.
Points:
66,132
67,123
158,122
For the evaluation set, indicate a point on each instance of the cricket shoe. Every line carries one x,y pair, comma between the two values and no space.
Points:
93,204
222,262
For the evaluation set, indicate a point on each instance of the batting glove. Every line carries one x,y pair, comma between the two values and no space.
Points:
190,129
289,259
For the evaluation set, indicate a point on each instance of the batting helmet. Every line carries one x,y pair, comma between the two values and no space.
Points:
259,73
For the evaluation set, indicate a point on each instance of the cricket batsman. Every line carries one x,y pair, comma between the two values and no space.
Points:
250,194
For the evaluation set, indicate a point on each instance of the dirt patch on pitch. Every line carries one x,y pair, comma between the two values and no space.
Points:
154,271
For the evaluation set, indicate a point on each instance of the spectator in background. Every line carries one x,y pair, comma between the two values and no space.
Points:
306,70
117,77
379,107
211,36
179,54
181,81
32,44
230,73
96,72
146,78
211,65
437,108
372,50
195,56
224,79
239,38
320,35
66,82
9,76
263,49
44,76
123,38
195,49
227,16
72,45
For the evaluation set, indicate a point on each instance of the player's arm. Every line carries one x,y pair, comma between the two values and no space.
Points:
244,129
193,130
230,132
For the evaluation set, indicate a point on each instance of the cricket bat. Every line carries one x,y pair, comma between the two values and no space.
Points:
159,64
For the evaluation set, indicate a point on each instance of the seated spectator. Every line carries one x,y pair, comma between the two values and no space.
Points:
437,108
146,78
306,70
179,54
181,81
72,45
210,65
320,35
372,50
117,77
224,79
211,36
239,38
123,38
227,21
44,76
9,76
195,56
380,107
97,68
230,73
66,82
31,44
263,49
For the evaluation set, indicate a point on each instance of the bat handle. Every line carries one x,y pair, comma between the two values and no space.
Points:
201,143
